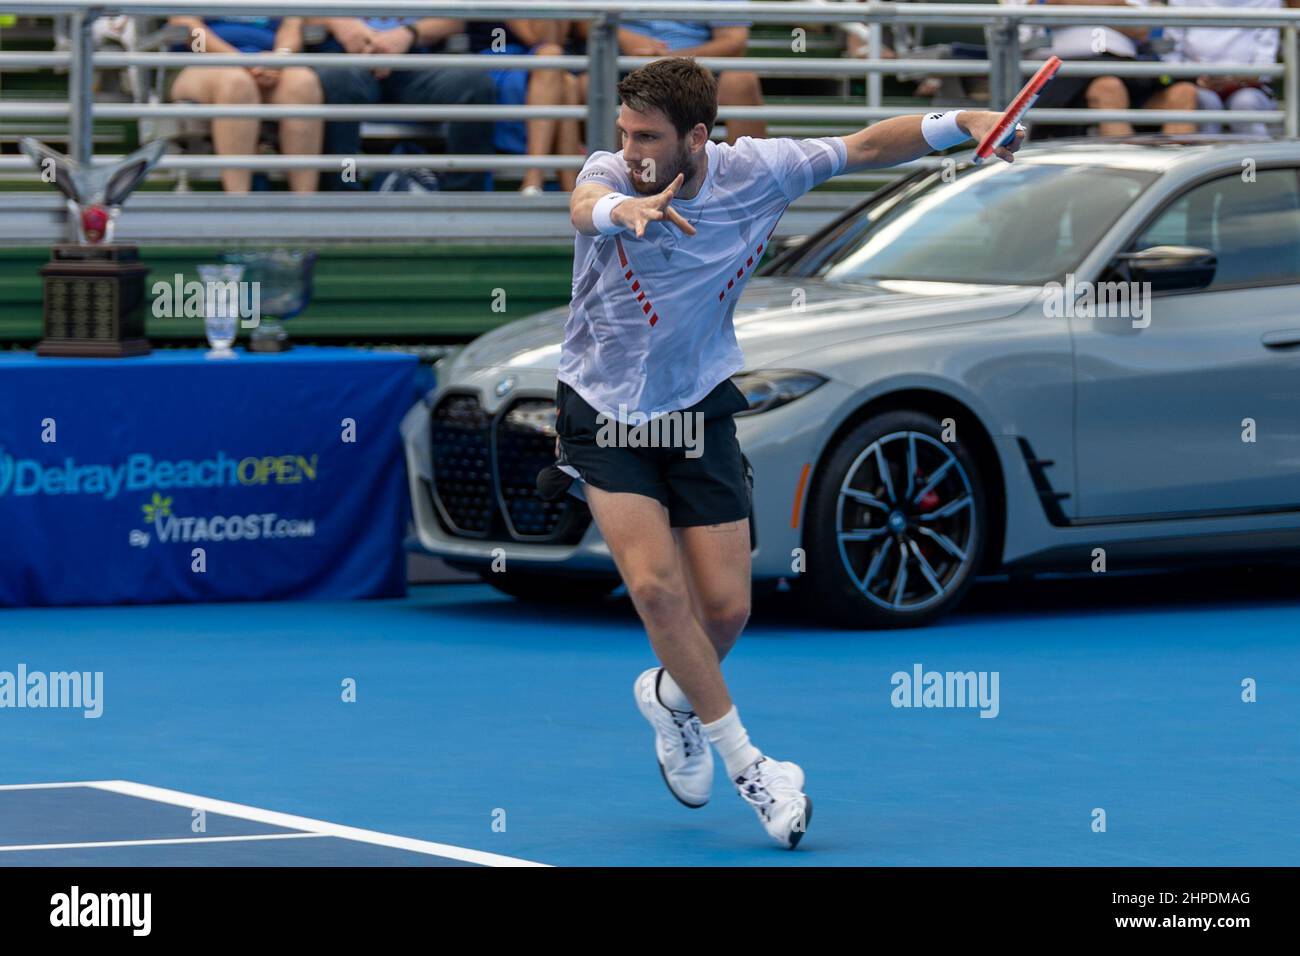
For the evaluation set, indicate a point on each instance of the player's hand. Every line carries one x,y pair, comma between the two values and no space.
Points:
636,214
979,123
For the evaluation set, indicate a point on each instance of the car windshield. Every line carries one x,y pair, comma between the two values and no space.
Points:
1018,224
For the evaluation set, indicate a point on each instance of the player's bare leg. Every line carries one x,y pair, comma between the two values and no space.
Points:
716,560
677,581
636,529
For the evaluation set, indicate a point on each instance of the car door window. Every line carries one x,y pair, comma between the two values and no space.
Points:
1253,228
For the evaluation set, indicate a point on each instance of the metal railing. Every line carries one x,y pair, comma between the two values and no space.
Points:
1004,67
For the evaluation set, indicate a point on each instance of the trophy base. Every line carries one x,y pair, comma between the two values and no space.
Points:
93,302
268,345
269,336
123,348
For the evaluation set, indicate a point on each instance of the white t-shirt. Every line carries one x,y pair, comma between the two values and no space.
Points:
650,319
1080,42
1224,44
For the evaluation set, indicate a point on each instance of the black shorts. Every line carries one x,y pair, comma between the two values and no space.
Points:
711,487
1070,92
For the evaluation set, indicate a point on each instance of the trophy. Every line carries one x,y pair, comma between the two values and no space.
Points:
220,313
284,283
94,290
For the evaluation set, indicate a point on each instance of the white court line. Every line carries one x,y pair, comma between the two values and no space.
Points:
315,827
167,842
45,786
292,822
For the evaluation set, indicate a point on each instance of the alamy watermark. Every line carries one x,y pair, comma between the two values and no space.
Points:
196,300
1099,300
922,688
637,430
129,910
81,690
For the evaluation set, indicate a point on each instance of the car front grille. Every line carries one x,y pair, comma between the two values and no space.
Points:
485,472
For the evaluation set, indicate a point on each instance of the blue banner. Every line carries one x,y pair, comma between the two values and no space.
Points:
172,477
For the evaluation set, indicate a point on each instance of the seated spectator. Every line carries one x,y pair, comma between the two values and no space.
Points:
1224,45
259,84
701,39
1109,92
928,86
859,48
359,84
536,137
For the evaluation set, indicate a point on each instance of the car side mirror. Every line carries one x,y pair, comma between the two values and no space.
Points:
1168,268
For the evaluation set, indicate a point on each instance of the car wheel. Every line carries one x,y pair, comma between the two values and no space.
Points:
550,588
896,525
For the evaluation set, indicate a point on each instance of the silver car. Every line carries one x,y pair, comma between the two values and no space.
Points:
1088,360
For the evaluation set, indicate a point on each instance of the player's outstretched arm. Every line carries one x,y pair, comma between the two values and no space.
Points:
597,210
899,140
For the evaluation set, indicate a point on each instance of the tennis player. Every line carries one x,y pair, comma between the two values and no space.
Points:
669,229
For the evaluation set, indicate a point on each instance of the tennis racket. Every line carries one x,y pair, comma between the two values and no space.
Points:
1005,131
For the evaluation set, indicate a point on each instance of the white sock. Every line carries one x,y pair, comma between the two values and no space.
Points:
729,737
670,695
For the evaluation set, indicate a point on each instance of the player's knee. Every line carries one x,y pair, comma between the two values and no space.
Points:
1107,92
725,623
657,598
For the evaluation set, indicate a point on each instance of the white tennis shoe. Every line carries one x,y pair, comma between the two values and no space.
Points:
685,757
774,788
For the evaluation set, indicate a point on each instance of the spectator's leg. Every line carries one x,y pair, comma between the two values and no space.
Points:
584,83
570,133
453,86
299,136
1251,98
545,88
1209,100
741,89
1109,93
230,136
1176,96
352,86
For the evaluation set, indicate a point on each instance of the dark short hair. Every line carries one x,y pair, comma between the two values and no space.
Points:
684,91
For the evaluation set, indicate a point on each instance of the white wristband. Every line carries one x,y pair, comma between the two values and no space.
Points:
600,213
941,130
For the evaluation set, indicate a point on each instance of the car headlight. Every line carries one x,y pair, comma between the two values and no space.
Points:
772,388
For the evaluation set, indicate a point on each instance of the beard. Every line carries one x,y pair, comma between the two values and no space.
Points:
681,163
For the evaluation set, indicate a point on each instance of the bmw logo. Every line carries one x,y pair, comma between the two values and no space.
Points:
505,385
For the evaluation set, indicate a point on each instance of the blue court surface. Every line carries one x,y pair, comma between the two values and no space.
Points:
489,732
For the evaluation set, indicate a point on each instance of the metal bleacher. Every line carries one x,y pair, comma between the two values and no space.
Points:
424,265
